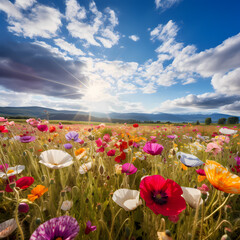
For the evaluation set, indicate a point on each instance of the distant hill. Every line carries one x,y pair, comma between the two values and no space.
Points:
39,112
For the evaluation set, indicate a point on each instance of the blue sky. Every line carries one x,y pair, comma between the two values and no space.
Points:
175,56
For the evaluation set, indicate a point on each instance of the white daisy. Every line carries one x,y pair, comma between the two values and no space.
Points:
11,171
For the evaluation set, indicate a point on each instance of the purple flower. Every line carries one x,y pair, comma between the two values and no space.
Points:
68,145
153,148
72,136
238,160
27,139
171,136
136,145
128,168
64,227
89,228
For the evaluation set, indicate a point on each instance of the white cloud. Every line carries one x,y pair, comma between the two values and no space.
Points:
165,3
188,81
149,89
41,21
24,4
93,27
10,9
69,47
227,84
135,38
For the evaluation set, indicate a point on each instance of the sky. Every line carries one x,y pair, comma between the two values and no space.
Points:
172,56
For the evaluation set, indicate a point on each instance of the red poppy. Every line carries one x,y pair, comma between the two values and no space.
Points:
52,129
3,129
120,158
130,142
135,125
162,196
123,146
22,183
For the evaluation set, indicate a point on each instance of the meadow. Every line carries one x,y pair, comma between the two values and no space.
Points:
118,181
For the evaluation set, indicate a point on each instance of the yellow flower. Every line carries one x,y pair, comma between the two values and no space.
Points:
37,192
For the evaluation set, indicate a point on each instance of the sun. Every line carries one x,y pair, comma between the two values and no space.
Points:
94,92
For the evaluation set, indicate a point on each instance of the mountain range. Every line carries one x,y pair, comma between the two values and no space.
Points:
52,114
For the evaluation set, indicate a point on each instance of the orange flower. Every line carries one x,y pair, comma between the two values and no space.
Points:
201,178
221,178
37,192
79,151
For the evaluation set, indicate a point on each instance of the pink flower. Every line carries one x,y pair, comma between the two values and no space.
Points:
101,149
153,148
111,153
42,128
174,218
107,138
99,142
214,148
4,167
128,168
201,172
204,188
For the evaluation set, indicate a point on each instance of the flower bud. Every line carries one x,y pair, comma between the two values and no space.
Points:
204,195
23,207
225,237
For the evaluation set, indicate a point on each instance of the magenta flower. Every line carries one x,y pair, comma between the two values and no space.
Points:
128,168
136,145
107,138
89,228
99,142
171,136
23,207
111,153
27,139
42,128
201,172
238,160
153,148
101,149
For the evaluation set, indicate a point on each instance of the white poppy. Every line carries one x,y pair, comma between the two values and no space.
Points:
11,171
56,159
127,199
189,160
85,167
192,196
227,131
66,205
7,227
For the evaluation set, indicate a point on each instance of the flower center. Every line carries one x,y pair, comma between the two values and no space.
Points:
10,171
58,238
159,197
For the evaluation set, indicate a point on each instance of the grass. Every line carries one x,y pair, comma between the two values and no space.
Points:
91,193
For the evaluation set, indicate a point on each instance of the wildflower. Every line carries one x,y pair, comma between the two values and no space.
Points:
89,228
214,148
127,199
85,167
221,178
189,160
60,228
238,160
174,218
4,167
52,129
111,152
37,192
7,228
56,159
72,136
135,125
79,151
2,119
120,158
42,128
21,183
162,196
23,207
11,171
171,136
99,142
107,138
128,168
68,145
66,205
192,196
27,139
227,131
153,148
3,129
